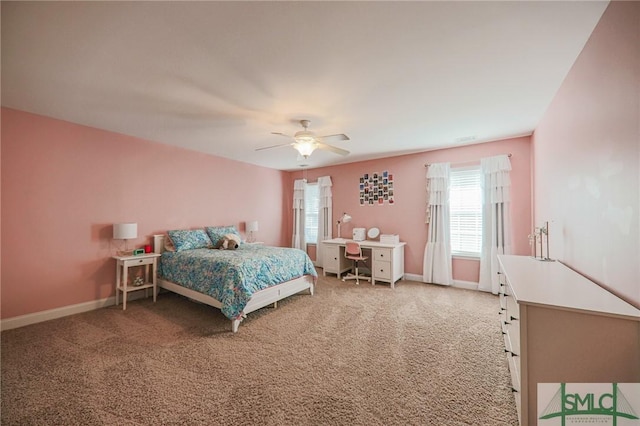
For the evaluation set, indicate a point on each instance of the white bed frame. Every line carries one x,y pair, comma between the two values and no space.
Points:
260,299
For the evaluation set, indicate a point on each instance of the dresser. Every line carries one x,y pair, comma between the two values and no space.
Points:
387,260
560,327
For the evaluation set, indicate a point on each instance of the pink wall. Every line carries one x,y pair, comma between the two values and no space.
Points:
64,185
587,157
406,216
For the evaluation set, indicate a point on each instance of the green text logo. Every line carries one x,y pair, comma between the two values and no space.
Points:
587,405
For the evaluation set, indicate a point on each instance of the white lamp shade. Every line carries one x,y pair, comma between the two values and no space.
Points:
252,226
125,231
345,218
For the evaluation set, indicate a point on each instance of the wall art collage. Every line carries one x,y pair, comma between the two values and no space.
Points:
376,189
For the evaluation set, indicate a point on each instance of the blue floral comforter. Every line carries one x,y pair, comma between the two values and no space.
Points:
233,276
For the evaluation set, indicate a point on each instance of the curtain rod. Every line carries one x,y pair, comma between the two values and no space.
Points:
466,162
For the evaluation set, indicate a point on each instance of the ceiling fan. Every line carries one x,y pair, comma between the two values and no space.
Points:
305,141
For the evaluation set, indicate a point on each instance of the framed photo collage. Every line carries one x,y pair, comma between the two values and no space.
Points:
376,189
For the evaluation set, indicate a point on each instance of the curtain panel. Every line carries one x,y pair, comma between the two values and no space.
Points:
496,219
437,253
297,240
324,216
427,214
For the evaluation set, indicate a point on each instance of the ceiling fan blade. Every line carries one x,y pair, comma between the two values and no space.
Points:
334,138
332,148
281,134
274,146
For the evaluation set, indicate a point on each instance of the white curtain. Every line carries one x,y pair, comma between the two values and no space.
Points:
496,219
324,216
437,252
298,214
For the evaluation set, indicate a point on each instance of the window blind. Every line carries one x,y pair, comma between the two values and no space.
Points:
465,205
311,207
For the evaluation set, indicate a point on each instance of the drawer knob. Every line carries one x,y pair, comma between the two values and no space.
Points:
513,318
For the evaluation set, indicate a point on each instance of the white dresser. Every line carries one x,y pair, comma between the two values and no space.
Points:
387,260
560,327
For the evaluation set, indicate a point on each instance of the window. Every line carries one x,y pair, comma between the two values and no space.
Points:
311,208
465,205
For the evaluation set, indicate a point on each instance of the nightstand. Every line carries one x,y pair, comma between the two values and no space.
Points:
255,243
123,263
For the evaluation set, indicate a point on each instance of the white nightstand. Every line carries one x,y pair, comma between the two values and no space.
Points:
123,263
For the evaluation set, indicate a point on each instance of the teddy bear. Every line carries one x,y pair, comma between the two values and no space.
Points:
228,242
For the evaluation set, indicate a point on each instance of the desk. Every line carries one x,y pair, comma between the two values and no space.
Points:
387,264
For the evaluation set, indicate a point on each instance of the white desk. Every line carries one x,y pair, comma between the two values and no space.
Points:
387,263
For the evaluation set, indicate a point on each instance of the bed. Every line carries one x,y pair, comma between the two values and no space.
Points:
237,282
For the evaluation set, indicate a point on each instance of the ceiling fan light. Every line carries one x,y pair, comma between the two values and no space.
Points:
305,136
305,148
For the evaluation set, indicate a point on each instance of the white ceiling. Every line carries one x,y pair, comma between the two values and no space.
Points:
219,77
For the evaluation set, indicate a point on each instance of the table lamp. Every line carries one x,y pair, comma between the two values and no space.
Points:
252,226
125,231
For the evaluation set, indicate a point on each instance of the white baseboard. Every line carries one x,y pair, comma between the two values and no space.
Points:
36,317
413,277
469,285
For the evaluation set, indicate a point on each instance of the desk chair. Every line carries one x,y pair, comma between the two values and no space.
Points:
353,251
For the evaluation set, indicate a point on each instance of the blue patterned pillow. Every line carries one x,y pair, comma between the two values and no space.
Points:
184,239
216,233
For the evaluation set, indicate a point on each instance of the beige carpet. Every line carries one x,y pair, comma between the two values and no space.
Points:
350,355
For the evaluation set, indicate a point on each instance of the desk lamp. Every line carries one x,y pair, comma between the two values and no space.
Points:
344,219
